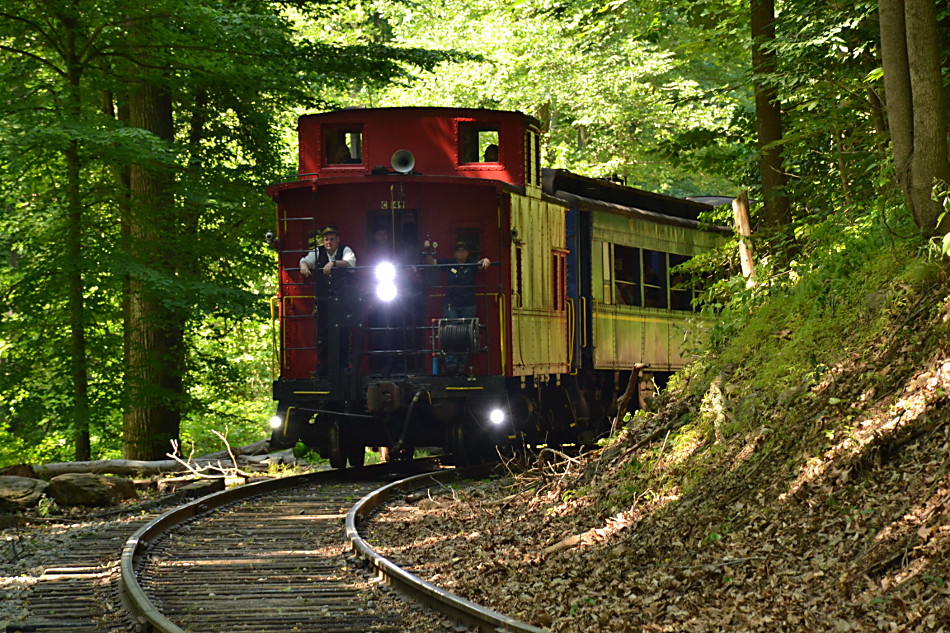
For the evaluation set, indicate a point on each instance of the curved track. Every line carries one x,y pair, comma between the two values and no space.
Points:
455,606
77,590
267,557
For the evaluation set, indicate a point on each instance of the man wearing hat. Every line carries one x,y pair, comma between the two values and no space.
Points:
333,264
459,292
328,256
460,284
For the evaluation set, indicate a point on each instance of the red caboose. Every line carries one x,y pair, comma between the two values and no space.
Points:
405,185
583,283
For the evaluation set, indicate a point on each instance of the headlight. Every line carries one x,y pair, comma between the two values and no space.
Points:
276,422
385,272
386,275
386,291
497,416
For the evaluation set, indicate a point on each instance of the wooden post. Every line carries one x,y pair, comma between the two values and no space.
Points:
740,211
633,387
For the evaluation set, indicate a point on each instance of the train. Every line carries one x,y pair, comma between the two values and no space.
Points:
398,216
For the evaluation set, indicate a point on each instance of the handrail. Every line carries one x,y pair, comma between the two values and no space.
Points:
283,330
500,298
584,342
276,337
571,324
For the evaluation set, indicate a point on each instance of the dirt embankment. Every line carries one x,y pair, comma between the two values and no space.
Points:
821,508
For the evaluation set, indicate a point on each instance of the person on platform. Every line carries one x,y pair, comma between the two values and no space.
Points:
332,264
459,293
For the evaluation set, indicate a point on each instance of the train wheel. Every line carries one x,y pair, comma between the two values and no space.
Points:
356,455
460,444
335,446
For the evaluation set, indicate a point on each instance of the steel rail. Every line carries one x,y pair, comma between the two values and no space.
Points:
452,605
136,547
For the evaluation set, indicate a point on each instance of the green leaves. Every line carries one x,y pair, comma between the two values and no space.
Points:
618,87
235,74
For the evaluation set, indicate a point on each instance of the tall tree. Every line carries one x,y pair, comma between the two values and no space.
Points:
153,328
916,106
768,113
68,15
55,36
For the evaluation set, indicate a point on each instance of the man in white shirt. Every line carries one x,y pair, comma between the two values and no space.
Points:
329,256
333,265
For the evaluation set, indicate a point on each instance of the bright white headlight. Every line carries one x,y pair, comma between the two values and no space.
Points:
497,416
276,422
385,272
386,291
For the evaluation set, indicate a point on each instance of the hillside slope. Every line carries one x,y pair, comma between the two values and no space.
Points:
797,479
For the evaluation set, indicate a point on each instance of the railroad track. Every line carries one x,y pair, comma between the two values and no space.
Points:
269,557
78,592
279,555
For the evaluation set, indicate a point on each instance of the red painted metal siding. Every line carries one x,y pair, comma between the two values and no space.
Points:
431,134
441,208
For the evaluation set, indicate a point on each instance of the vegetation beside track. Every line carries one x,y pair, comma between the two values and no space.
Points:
794,479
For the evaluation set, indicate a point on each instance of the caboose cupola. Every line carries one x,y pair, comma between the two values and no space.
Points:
471,143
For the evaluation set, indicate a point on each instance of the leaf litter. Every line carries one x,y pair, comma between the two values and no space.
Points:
831,513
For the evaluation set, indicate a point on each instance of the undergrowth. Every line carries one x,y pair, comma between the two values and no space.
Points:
790,349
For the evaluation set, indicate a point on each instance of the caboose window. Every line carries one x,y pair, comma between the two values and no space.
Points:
627,275
479,143
343,145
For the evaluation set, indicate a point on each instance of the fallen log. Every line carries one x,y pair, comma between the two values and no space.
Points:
244,456
260,447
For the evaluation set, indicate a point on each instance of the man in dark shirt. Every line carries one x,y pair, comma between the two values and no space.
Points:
459,294
460,283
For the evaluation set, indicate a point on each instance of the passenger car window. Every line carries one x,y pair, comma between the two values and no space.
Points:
626,275
682,285
654,279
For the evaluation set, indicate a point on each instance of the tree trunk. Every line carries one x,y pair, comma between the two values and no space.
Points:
153,328
916,106
74,266
768,114
743,228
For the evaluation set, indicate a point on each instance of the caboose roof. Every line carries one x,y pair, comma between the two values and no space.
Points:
417,112
434,141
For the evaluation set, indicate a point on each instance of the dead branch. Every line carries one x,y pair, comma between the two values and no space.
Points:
227,446
223,472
